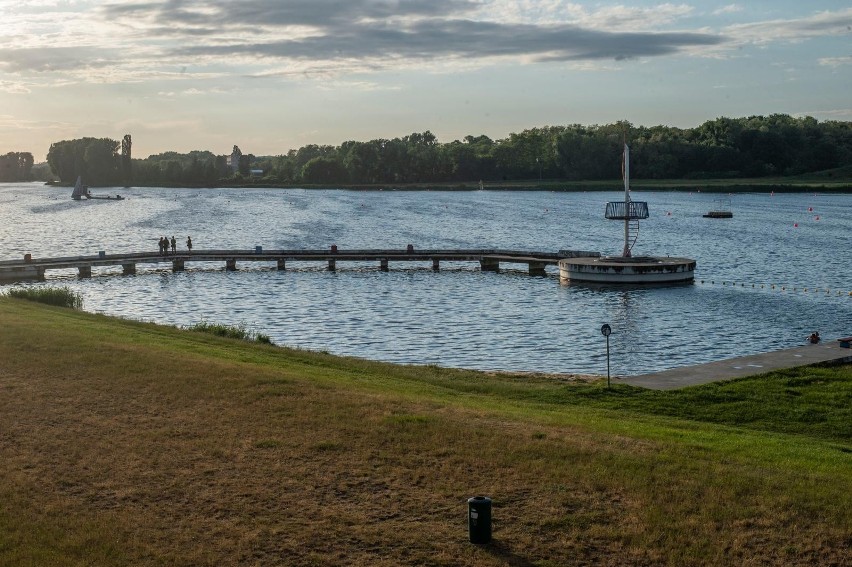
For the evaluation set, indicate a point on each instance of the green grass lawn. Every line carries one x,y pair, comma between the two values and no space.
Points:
130,443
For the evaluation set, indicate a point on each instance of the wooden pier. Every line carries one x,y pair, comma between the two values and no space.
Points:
30,268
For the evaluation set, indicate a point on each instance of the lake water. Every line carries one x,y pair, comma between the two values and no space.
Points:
461,317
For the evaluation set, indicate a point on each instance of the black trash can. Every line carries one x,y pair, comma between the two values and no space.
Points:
479,519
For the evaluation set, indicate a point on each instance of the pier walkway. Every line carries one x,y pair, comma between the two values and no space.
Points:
827,352
30,268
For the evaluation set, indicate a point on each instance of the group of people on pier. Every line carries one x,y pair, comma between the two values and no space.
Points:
166,243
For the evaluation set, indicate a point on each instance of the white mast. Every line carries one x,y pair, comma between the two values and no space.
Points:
625,172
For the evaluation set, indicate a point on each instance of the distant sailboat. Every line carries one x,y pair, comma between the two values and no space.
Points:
79,192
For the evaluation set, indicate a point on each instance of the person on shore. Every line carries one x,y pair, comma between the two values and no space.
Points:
189,244
814,338
174,245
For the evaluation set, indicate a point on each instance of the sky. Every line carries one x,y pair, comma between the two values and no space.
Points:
275,75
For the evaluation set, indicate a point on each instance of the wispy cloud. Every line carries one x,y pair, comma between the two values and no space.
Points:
729,9
820,24
603,18
14,87
844,114
836,61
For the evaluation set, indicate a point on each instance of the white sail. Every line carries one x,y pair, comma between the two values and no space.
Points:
78,192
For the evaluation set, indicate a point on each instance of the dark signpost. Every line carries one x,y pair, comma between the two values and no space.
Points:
605,331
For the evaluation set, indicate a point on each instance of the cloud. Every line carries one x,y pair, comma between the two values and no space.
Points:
842,114
10,122
211,15
836,61
820,24
136,40
729,9
364,86
46,59
608,18
463,39
380,33
13,87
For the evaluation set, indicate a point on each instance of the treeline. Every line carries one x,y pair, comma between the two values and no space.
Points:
756,146
96,160
16,166
195,168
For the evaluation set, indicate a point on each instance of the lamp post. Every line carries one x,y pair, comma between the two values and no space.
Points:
538,161
606,330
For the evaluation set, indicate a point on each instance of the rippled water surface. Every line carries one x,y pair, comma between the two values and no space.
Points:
460,316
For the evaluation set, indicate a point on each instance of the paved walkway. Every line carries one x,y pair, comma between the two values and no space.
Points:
828,351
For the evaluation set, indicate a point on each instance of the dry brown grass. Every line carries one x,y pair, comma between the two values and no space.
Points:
121,448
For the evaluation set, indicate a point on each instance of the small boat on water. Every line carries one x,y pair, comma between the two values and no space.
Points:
115,197
82,191
721,210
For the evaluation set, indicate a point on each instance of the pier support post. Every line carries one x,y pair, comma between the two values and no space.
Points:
85,271
383,264
537,269
489,265
332,266
231,264
436,265
128,269
40,274
282,264
177,265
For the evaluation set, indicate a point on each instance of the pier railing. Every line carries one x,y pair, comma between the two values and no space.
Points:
30,268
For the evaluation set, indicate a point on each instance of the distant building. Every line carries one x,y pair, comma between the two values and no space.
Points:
234,160
256,173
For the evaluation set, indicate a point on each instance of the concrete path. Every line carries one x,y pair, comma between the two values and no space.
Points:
828,351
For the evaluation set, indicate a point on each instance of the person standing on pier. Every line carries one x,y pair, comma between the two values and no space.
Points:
162,246
189,244
174,245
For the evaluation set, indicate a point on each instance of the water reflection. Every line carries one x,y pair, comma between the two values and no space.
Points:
459,316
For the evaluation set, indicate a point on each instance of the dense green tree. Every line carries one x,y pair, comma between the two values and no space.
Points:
16,166
95,159
324,170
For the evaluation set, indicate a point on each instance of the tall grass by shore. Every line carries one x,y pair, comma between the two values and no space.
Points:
58,296
131,443
240,331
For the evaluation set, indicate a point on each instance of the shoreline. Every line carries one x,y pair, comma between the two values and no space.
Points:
674,186
838,189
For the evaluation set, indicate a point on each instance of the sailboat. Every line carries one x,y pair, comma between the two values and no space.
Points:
79,191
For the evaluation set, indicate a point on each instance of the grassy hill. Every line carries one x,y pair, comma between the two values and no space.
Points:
129,443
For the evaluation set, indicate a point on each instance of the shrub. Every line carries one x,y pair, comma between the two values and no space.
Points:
59,296
231,331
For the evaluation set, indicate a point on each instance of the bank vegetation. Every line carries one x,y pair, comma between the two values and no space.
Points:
753,147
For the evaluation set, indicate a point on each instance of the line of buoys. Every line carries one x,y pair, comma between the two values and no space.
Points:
825,290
